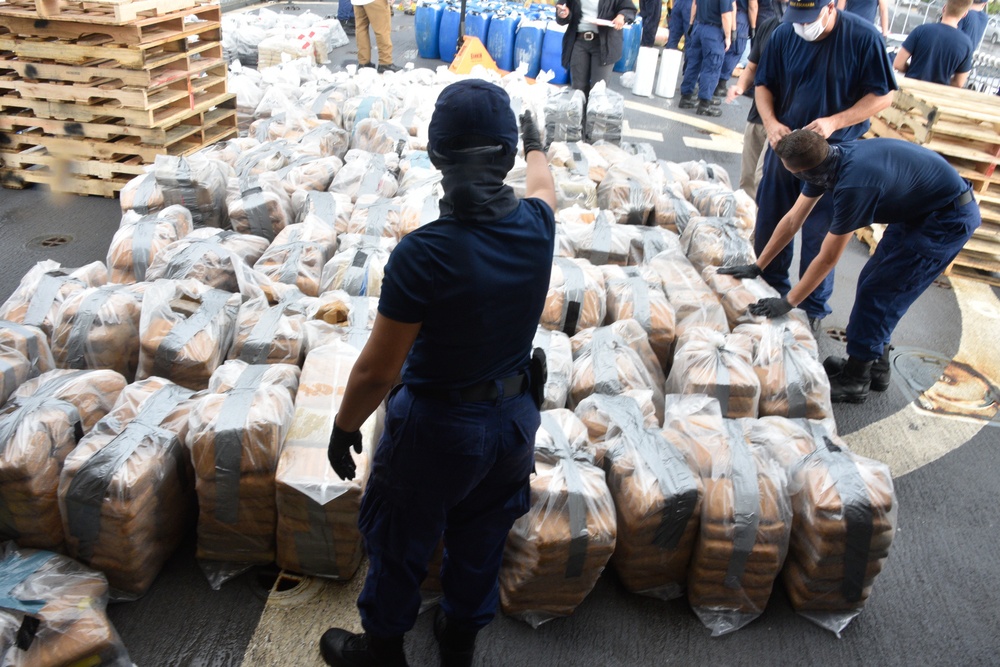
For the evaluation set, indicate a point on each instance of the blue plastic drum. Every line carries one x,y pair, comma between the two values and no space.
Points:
427,23
528,46
448,33
500,40
630,49
552,53
477,23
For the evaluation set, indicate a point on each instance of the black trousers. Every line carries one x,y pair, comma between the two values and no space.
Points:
650,10
585,68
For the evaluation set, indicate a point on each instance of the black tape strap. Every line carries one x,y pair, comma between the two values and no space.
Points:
45,295
315,548
212,303
576,503
603,348
17,409
746,504
575,290
677,485
14,571
83,323
144,193
794,376
734,246
89,487
143,232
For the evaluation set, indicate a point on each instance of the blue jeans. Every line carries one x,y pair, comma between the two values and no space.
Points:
705,49
677,24
441,468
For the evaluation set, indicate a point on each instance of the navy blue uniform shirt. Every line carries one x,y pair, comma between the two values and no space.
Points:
974,26
711,11
888,181
937,53
478,289
866,9
811,80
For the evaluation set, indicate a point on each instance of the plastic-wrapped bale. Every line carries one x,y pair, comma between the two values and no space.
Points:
628,193
229,151
845,519
673,212
270,156
380,136
642,150
270,327
605,114
580,158
603,414
126,493
787,440
699,170
312,174
719,365
67,599
564,115
613,153
356,109
326,207
357,270
746,518
716,242
736,295
142,195
42,290
717,200
328,101
573,189
374,216
695,304
263,208
214,257
418,207
338,316
298,253
651,241
555,553
235,436
24,354
196,182
185,331
613,359
576,299
658,499
604,241
140,238
670,176
317,510
366,174
292,126
99,328
635,292
559,362
694,423
416,172
39,426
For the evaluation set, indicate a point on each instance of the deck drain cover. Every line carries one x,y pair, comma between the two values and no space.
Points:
284,588
946,387
50,241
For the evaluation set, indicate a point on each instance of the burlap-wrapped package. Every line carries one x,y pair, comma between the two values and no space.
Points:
215,257
737,294
358,269
635,292
235,434
603,413
24,353
317,510
298,253
716,242
695,304
185,331
603,241
793,382
262,206
746,518
555,553
366,173
69,602
576,299
99,328
39,426
719,365
628,193
270,326
126,493
43,289
559,363
140,238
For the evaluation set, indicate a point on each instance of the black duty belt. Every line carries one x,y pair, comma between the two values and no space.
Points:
481,391
963,199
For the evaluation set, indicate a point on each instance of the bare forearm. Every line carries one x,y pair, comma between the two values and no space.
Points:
538,179
752,9
781,237
728,23
765,105
863,109
364,392
746,77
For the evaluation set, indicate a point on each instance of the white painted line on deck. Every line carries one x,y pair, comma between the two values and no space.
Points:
714,143
648,135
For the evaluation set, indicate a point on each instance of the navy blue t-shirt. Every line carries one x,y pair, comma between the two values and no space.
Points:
811,80
866,9
711,11
479,290
888,181
937,53
974,26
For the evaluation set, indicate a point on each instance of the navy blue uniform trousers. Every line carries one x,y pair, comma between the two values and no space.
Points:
776,193
704,51
736,49
678,23
443,468
906,261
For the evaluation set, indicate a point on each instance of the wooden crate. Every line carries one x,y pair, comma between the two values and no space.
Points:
104,12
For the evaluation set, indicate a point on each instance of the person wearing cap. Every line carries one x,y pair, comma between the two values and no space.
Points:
460,303
938,52
707,42
826,71
746,26
930,214
868,10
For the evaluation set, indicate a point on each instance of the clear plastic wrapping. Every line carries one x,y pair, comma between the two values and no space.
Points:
651,241
605,114
719,365
356,109
380,136
263,207
699,170
358,270
670,176
603,413
374,216
695,304
312,174
197,182
327,207
576,299
140,238
559,363
736,295
564,115
579,158
338,316
24,353
367,174
43,289
299,252
603,241
39,425
126,493
635,292
213,256
555,553
628,193
270,327
716,242
573,189
99,328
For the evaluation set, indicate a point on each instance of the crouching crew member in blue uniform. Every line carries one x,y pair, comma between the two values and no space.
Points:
930,214
460,303
706,46
826,71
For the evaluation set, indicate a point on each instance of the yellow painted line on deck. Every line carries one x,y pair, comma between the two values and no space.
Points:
714,143
686,119
648,135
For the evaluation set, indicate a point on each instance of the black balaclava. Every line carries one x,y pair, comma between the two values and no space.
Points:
472,179
824,174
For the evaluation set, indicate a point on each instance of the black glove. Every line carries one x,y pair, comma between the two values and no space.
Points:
732,36
339,452
770,307
753,33
529,133
690,28
741,271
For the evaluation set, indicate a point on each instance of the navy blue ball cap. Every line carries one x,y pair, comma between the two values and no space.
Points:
803,11
472,107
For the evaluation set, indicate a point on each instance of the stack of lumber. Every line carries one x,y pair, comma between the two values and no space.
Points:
964,127
91,92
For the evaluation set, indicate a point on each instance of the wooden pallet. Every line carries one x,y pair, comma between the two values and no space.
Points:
104,12
137,32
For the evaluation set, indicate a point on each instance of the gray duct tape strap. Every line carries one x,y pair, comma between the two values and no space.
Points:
30,337
9,373
187,191
682,213
185,260
258,344
323,205
374,171
734,246
600,251
635,203
228,441
356,275
289,272
726,204
264,126
746,504
14,571
602,353
641,311
357,322
90,485
79,334
321,98
378,216
575,290
142,244
575,498
624,413
211,305
316,547
723,379
305,159
794,378
255,206
17,409
581,165
143,193
677,485
45,295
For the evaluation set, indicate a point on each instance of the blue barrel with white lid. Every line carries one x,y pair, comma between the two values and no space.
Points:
631,38
552,53
528,46
500,40
477,22
427,24
448,33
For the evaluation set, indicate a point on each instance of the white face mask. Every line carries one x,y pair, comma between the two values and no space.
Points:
810,31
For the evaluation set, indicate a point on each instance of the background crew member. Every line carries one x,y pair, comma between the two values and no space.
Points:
746,25
460,304
938,52
706,46
930,212
678,23
869,10
378,15
825,71
974,24
649,10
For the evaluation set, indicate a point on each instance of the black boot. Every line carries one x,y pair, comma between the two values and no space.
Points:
881,371
706,108
687,102
851,384
346,649
349,27
720,90
457,646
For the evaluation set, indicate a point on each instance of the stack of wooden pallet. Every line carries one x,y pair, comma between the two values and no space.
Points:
964,127
91,92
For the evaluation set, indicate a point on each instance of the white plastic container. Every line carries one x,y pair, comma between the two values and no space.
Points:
645,71
670,68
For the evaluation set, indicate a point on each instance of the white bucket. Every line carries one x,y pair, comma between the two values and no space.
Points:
670,68
645,71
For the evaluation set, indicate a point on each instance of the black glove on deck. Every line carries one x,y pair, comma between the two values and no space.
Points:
529,133
339,452
772,307
741,271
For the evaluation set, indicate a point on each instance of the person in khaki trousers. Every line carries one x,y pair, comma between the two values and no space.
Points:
377,14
